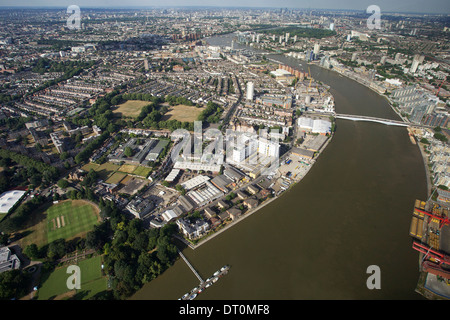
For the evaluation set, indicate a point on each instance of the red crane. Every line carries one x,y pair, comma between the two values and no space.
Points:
439,257
437,93
442,220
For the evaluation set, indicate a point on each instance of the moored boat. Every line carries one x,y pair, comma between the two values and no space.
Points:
192,296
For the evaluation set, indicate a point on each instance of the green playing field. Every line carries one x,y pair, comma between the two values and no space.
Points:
54,285
68,219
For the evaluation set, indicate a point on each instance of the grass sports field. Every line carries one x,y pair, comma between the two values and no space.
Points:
131,108
127,168
142,171
68,219
78,217
183,113
112,173
104,170
54,285
116,178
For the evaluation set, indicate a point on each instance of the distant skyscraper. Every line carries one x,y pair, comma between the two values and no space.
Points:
332,26
250,90
146,64
287,37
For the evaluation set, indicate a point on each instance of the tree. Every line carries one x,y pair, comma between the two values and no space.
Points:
56,249
440,136
90,179
63,183
180,189
32,251
140,242
128,152
4,237
97,238
64,155
13,284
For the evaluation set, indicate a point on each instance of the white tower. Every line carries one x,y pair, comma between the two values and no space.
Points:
250,90
316,48
414,65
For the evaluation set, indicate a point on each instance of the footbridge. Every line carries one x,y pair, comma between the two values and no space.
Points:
372,119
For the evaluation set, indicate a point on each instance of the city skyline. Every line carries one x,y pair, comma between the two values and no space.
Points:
416,6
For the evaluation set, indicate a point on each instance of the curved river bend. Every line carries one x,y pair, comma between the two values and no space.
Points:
351,211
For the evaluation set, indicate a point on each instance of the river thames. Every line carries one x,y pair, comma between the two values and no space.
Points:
352,210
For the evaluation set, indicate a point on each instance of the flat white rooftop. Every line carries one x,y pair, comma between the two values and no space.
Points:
194,182
9,198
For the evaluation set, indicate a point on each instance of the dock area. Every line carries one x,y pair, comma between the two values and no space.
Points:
430,228
204,284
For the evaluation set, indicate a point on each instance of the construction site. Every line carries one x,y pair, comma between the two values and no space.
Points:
430,230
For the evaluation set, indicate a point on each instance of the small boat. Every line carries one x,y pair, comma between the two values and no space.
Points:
215,279
216,273
185,296
192,297
208,285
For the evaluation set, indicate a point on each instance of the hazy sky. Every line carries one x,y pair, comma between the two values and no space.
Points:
423,6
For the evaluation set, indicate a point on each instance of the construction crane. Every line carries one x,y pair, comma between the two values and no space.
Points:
439,257
442,220
323,92
437,93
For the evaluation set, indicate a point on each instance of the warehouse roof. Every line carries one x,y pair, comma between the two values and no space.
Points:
172,175
194,182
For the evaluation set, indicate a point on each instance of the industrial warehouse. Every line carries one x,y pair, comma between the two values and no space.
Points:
430,230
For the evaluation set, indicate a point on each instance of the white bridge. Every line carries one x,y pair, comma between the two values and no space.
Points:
372,119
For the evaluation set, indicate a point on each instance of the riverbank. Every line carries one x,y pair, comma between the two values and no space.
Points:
297,180
427,168
228,226
391,104
367,85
